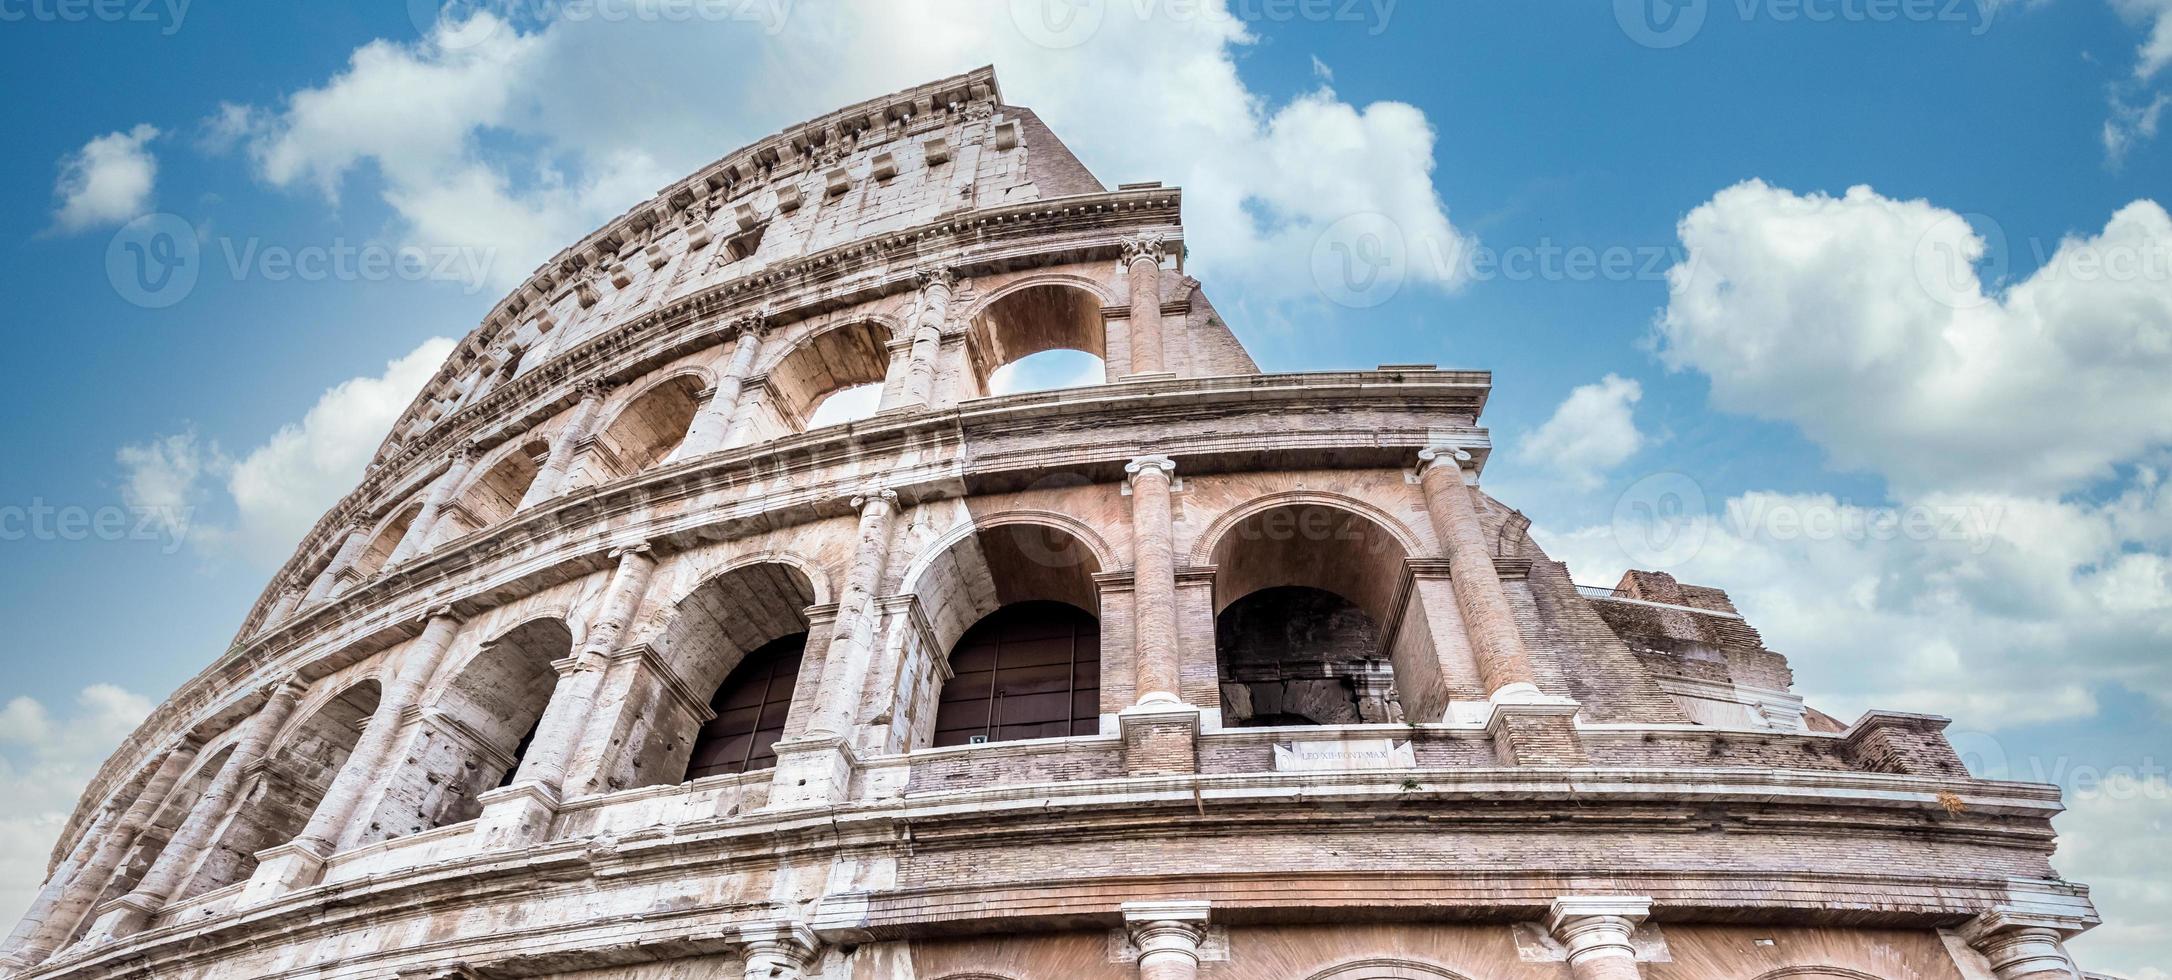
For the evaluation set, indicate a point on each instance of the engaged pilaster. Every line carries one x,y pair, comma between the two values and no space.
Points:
1154,578
358,538
130,913
300,862
424,527
776,950
918,386
712,426
818,765
521,812
550,479
2024,947
1503,664
1142,263
1596,929
1168,935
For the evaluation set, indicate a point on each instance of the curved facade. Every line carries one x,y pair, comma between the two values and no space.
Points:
616,665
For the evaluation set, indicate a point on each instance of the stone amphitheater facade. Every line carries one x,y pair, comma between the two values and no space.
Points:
615,666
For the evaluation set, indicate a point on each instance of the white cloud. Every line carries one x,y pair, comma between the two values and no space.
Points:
1593,431
281,487
523,137
2130,126
2117,836
1991,609
2156,49
164,476
44,767
1867,322
107,182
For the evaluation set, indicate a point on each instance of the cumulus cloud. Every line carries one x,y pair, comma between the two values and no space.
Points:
1869,323
45,762
522,136
278,489
2117,836
1954,604
1593,431
107,182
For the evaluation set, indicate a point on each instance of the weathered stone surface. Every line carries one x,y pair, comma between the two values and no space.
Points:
508,639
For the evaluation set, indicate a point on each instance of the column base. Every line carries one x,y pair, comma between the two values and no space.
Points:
1536,733
812,770
1161,738
290,867
123,917
517,815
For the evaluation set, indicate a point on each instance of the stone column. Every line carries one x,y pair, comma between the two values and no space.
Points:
18,952
712,425
845,666
59,908
521,812
1168,935
129,914
932,311
1503,664
817,766
1596,929
2024,947
358,538
290,596
550,479
299,863
776,950
1142,260
1154,580
425,524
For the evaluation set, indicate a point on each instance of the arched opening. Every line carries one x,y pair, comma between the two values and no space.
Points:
1386,968
373,558
1030,670
741,635
1303,594
822,369
751,707
1048,370
846,405
495,495
1033,320
472,739
646,430
295,778
1015,607
151,841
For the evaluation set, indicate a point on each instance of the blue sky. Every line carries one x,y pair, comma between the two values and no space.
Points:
1806,360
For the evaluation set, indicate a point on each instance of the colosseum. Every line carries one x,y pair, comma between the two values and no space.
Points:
624,662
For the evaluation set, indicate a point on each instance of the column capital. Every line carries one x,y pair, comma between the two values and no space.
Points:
466,451
1149,246
776,950
1597,927
754,324
1450,456
1162,464
862,502
643,549
2019,944
588,388
445,611
934,276
1166,929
